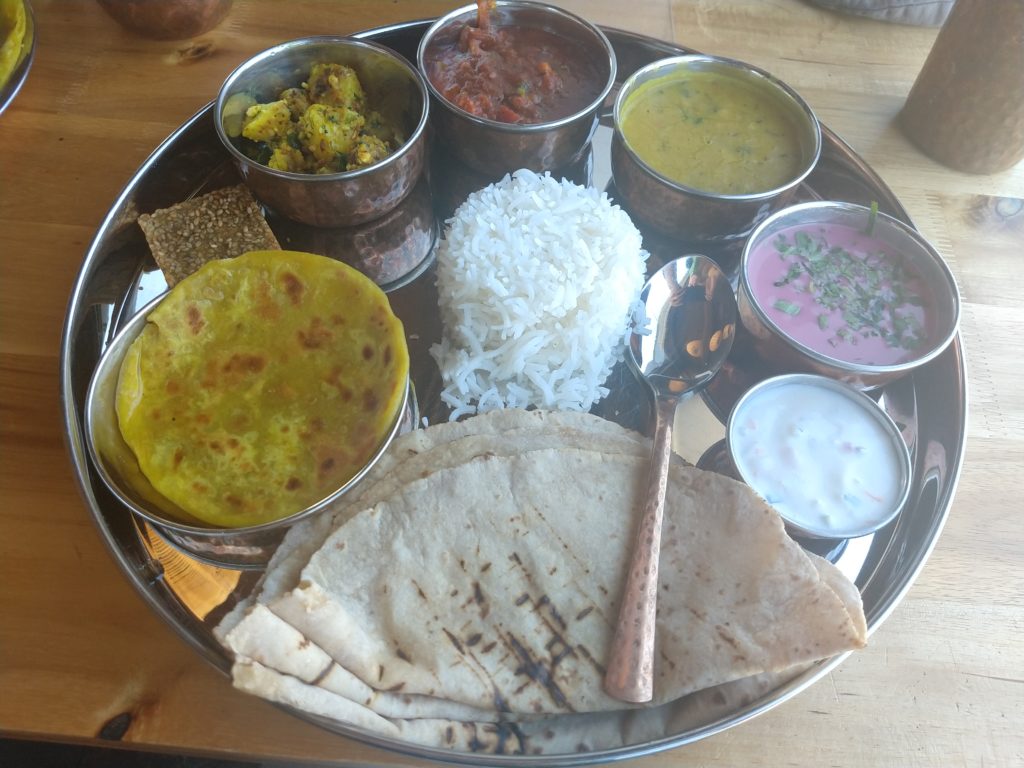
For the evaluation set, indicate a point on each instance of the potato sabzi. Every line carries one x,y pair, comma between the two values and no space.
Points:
261,384
323,126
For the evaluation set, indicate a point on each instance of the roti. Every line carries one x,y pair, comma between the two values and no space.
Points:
261,384
514,607
466,595
422,452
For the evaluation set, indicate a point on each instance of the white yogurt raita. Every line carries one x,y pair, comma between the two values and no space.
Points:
819,456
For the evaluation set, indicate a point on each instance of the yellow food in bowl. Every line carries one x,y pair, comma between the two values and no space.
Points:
262,384
713,132
324,126
15,35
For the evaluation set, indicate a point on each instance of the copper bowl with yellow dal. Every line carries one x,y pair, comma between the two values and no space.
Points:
705,147
256,391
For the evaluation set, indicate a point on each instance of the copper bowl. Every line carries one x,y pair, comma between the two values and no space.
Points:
694,215
780,350
493,147
393,87
169,19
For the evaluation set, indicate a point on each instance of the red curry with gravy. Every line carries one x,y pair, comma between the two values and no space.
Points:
512,74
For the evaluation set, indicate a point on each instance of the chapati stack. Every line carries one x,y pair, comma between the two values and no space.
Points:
466,596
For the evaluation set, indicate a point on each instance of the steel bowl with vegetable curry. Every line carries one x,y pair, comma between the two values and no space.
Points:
323,126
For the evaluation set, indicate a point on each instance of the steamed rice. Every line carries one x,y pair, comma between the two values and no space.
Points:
536,279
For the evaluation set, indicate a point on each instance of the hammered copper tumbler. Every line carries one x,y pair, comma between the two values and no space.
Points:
966,108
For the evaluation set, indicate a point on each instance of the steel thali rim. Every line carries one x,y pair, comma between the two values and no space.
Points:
882,592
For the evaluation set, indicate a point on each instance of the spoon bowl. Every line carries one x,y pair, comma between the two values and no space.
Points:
690,313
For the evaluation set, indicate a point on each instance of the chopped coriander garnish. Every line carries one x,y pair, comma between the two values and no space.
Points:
872,217
868,294
787,306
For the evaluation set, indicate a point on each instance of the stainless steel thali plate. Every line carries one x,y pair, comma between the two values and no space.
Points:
118,277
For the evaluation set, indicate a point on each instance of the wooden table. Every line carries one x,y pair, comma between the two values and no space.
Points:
941,682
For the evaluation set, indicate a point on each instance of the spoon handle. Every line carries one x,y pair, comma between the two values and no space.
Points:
630,670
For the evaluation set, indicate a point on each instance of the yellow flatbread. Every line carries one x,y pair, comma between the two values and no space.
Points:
261,384
13,32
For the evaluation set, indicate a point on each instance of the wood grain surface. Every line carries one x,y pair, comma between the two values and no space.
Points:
81,655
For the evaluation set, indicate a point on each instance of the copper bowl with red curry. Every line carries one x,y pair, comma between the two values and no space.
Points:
516,84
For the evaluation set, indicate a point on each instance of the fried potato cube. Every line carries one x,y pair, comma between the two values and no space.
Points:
267,122
297,101
336,85
327,132
367,151
285,157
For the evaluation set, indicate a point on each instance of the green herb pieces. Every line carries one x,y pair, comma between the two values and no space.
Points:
862,296
787,306
872,217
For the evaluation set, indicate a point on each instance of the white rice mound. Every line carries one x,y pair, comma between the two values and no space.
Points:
536,281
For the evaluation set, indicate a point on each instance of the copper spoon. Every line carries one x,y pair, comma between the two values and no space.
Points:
691,314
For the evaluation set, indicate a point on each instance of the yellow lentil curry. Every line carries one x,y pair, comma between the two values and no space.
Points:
262,384
712,132
323,126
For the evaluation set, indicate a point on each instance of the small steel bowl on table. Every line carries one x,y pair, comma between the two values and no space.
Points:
685,211
846,311
831,462
494,147
347,198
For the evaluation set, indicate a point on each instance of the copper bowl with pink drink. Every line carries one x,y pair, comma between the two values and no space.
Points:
845,291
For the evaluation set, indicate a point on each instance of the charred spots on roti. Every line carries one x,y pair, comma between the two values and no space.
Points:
585,653
367,352
420,592
194,318
473,639
294,288
536,671
402,655
292,484
316,335
370,400
455,642
323,673
480,599
240,364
